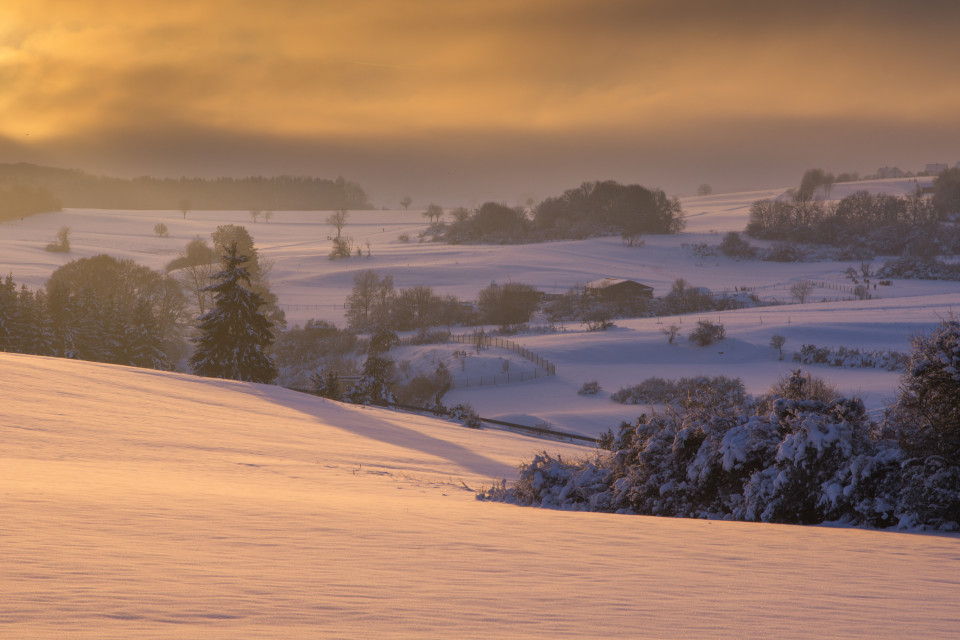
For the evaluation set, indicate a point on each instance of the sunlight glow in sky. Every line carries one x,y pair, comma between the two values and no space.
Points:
468,97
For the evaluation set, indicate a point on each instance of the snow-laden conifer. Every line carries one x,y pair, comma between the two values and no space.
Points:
234,334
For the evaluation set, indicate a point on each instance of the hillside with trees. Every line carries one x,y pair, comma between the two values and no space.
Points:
880,224
77,189
18,200
800,455
593,209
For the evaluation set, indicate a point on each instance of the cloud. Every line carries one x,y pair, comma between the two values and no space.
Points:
604,79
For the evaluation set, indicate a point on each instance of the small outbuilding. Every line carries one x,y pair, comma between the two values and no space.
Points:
618,289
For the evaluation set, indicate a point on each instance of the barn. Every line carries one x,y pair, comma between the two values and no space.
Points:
618,289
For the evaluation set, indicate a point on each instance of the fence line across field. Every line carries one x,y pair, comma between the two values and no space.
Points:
496,379
483,341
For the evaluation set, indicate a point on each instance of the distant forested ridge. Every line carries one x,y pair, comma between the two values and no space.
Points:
19,200
73,188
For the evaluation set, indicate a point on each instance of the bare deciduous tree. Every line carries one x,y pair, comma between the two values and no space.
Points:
671,333
777,341
195,278
801,290
338,220
434,212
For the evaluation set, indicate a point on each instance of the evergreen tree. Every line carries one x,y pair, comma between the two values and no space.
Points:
927,414
142,341
9,314
88,320
234,334
327,384
36,337
59,309
378,371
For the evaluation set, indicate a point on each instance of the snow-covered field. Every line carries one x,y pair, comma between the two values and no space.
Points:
309,285
137,503
141,504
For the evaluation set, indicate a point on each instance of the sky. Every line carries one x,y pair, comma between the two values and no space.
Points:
462,102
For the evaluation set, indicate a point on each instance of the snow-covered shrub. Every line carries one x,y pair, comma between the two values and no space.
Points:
919,269
62,245
424,390
701,391
793,459
851,357
783,252
327,384
425,336
549,481
798,385
299,352
465,414
735,246
809,480
669,467
701,249
927,413
707,333
589,389
930,494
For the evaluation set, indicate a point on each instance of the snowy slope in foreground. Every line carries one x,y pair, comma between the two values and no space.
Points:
142,504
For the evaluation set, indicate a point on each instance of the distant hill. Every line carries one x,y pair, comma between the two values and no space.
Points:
78,189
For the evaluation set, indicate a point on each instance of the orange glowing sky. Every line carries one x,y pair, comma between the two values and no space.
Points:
495,99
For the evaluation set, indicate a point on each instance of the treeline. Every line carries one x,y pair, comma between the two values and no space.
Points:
99,309
917,225
83,190
20,200
800,455
105,309
882,224
592,209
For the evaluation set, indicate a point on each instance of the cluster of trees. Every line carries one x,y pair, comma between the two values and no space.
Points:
492,222
881,223
197,264
18,200
373,303
800,455
592,209
78,189
815,179
380,383
608,207
946,191
299,351
99,309
109,310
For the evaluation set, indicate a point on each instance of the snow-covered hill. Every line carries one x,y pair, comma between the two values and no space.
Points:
309,285
140,504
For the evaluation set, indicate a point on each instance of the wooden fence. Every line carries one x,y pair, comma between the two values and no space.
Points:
463,382
483,341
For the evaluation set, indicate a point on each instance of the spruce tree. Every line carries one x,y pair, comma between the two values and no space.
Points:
9,315
234,333
142,344
378,371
